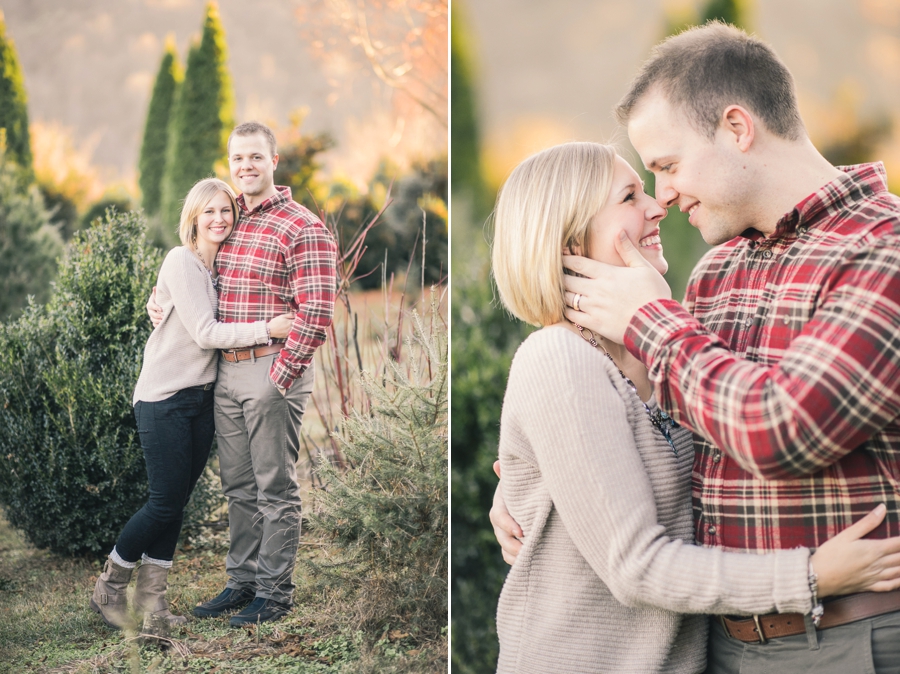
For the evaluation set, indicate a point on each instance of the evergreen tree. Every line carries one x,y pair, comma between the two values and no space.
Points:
152,163
29,244
386,516
202,119
13,105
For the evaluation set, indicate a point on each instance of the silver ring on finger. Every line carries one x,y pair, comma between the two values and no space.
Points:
577,302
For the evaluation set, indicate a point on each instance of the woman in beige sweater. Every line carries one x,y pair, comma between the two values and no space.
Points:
597,475
173,403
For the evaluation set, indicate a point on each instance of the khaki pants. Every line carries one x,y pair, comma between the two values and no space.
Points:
259,439
868,646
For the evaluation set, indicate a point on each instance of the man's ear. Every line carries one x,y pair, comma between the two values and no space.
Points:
740,125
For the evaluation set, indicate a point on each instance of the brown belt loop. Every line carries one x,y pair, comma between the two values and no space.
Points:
839,611
237,355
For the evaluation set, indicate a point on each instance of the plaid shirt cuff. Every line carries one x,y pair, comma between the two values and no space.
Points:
654,326
282,375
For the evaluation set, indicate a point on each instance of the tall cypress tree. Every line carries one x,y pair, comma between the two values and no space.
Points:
152,163
202,118
13,104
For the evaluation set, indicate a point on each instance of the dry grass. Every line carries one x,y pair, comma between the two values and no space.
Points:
47,627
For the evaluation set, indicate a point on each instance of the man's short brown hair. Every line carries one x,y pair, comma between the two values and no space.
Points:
251,129
707,68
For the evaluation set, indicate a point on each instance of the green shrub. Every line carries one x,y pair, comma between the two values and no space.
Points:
386,515
71,467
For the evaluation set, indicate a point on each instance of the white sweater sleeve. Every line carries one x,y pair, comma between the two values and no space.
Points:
576,423
186,282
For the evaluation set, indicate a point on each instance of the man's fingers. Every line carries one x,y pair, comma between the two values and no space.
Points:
574,284
582,265
497,468
629,252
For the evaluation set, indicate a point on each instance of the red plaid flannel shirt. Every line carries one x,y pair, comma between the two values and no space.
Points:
280,258
786,355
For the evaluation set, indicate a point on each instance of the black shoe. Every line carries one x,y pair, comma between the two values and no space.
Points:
261,610
229,600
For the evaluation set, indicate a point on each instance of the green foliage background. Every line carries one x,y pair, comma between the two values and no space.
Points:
29,244
483,341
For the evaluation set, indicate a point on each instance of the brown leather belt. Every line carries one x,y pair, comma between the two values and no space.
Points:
237,355
840,611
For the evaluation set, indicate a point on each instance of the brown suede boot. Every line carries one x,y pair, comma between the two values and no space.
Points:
150,594
109,599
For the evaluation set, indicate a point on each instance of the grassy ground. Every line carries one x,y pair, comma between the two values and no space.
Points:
46,625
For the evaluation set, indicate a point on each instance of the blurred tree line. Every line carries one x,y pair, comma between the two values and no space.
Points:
49,191
484,338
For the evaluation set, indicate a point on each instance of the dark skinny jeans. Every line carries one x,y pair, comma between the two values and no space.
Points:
176,435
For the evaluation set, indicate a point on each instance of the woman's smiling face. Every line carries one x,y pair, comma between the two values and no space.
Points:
627,208
216,220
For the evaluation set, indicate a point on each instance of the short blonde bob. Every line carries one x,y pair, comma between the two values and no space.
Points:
201,194
546,204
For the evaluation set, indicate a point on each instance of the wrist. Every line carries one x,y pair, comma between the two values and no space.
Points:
817,609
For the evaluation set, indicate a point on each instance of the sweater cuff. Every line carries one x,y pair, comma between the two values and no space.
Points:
260,334
792,594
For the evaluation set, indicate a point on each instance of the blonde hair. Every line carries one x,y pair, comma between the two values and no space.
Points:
546,204
201,194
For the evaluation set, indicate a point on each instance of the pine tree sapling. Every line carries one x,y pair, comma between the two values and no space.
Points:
152,163
13,104
386,515
71,467
202,118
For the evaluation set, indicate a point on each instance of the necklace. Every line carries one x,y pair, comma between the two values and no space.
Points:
660,420
206,266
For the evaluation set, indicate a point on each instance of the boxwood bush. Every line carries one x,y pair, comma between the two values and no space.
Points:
71,467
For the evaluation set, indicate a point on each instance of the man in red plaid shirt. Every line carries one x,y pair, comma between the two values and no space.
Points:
280,258
785,356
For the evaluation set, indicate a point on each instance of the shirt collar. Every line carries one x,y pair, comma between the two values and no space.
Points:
858,182
282,196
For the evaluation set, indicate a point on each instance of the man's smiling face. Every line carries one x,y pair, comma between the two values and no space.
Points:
703,177
252,165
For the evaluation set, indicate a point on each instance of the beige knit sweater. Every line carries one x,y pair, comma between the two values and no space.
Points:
608,567
181,351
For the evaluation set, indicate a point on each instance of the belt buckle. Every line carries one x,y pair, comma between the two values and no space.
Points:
208,386
759,630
